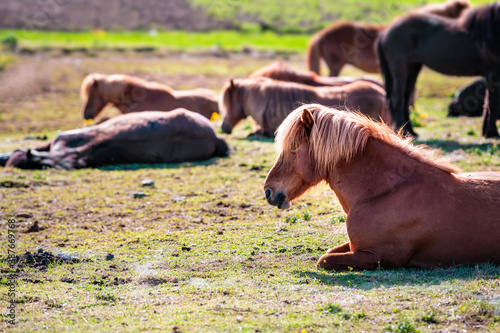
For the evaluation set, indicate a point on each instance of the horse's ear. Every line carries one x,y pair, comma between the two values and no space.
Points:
232,83
28,153
307,119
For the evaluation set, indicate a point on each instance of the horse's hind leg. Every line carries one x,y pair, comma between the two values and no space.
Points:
341,248
349,260
490,114
334,61
4,158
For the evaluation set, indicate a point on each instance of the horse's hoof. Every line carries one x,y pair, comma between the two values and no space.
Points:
322,262
492,134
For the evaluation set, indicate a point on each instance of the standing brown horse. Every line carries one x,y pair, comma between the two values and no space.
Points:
131,94
146,137
281,72
404,207
354,43
268,101
468,46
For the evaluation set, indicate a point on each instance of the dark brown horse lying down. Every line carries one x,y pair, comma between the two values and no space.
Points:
354,43
281,72
131,94
269,102
404,206
469,100
146,137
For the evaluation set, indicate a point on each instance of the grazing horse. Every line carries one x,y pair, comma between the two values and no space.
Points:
468,46
354,43
281,72
146,137
404,206
268,101
131,94
469,100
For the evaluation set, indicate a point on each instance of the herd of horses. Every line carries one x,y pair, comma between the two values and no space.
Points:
405,207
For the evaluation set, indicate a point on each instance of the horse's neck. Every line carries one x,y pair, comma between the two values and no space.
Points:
113,92
250,107
378,171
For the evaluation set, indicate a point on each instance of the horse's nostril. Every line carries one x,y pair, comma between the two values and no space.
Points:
269,193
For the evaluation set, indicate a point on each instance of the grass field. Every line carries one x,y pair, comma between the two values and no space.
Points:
203,251
307,15
174,40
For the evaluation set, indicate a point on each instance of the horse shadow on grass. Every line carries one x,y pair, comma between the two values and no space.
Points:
257,136
449,146
140,166
367,280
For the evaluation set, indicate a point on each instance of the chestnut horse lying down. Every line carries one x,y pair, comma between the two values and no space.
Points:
268,101
469,100
131,94
354,43
146,137
404,206
281,72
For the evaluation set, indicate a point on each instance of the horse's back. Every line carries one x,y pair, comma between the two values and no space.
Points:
154,137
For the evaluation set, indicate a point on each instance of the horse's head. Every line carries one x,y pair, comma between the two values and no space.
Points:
454,8
231,106
294,172
91,92
23,159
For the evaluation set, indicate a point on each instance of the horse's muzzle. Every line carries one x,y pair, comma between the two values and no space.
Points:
279,200
226,128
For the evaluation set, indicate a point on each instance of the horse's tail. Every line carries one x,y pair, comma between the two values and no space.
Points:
221,148
313,54
4,158
386,74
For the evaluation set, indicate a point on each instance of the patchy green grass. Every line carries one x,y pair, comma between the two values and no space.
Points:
174,40
203,251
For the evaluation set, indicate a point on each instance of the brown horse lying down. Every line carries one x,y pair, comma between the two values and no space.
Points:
269,102
131,94
146,137
354,43
404,207
281,72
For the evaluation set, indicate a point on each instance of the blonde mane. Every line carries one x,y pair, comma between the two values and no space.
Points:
338,136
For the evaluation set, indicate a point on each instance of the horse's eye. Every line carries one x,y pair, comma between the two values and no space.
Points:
293,149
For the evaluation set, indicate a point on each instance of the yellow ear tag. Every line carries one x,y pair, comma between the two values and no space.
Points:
88,121
214,116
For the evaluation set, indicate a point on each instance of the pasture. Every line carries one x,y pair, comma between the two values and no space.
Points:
203,251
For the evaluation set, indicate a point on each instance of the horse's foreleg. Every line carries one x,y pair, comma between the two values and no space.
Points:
409,96
341,248
335,62
492,107
397,103
349,260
